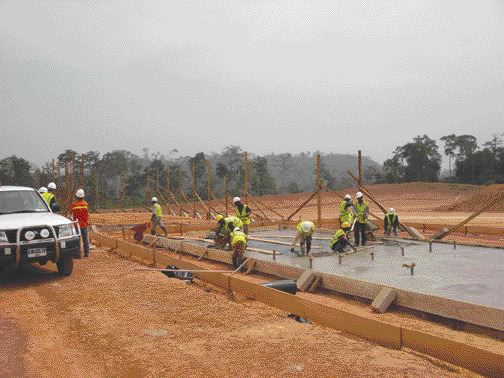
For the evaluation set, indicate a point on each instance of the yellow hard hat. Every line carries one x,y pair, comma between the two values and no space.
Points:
345,225
218,217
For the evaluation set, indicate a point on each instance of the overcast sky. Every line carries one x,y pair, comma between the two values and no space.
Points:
270,76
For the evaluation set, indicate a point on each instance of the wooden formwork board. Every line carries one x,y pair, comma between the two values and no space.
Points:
484,359
373,330
467,312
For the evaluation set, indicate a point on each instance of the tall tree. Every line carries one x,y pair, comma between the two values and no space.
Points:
416,161
262,181
15,171
450,146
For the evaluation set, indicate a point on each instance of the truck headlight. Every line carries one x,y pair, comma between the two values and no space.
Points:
3,237
29,235
65,230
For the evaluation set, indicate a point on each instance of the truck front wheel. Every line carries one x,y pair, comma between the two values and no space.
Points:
65,265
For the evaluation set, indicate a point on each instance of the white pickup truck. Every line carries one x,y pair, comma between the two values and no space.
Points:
31,232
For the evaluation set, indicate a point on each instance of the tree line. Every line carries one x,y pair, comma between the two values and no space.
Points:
122,175
469,163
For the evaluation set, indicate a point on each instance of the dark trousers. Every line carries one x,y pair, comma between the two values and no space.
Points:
85,240
340,245
360,233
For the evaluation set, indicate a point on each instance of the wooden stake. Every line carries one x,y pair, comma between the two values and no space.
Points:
83,173
58,190
301,206
318,188
74,178
209,184
96,199
359,163
52,171
226,194
193,166
246,176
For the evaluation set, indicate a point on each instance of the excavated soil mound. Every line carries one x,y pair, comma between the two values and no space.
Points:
478,200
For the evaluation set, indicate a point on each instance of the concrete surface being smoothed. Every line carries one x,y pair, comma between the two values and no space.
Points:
467,274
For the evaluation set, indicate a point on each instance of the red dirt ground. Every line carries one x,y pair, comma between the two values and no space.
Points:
108,320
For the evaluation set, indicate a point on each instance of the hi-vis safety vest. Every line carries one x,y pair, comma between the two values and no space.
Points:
156,210
361,211
345,213
304,233
236,222
389,216
337,236
238,237
244,217
47,197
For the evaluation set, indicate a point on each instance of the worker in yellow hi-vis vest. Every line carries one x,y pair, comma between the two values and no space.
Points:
156,217
361,213
243,213
305,230
238,245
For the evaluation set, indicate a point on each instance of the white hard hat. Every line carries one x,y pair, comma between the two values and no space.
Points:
236,199
348,196
359,195
307,226
43,190
391,210
79,193
237,229
52,186
154,199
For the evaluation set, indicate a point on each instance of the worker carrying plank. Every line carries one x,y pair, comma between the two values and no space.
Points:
346,210
361,213
238,241
224,228
156,217
243,213
391,222
305,230
340,238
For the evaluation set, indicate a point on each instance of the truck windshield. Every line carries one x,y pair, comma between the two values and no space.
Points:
21,201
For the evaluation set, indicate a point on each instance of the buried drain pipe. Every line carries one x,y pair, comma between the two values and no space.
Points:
340,257
430,246
410,266
454,244
402,251
372,256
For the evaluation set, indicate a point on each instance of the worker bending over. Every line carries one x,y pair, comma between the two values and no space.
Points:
238,245
79,212
340,238
361,212
391,222
243,213
49,197
345,210
224,228
305,230
156,217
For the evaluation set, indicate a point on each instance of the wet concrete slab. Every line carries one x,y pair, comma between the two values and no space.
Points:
467,273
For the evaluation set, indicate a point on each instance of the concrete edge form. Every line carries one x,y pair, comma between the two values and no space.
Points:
467,312
481,359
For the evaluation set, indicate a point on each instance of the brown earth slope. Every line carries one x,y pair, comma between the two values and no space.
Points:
478,200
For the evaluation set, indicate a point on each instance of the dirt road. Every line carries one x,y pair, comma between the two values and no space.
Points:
108,320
